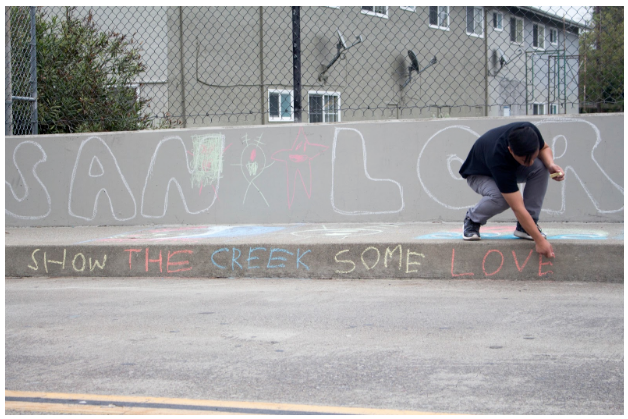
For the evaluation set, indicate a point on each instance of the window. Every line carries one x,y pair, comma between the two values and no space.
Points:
538,109
439,17
324,106
538,36
408,8
280,107
380,11
553,108
553,36
516,30
498,21
475,21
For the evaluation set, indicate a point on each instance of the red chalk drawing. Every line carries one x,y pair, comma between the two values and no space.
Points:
154,261
541,264
453,255
131,251
183,262
484,262
299,165
524,263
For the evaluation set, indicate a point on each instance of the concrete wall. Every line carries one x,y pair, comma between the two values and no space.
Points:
387,171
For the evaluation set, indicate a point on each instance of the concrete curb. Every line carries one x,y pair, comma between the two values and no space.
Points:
402,254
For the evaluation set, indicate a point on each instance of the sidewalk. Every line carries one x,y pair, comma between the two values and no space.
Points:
584,251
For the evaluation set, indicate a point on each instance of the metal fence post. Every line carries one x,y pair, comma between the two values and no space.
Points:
8,87
181,62
296,60
34,127
261,62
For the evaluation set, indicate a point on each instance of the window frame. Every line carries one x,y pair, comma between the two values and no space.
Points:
322,94
281,118
554,30
551,107
538,37
442,28
523,31
538,106
500,28
474,26
373,12
408,8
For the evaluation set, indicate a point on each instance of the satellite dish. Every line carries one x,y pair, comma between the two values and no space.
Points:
415,62
414,66
342,40
341,47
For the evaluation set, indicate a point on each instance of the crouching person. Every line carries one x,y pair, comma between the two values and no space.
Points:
498,161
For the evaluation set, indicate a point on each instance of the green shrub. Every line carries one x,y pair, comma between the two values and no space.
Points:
84,77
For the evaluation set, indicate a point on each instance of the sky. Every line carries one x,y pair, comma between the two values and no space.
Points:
579,14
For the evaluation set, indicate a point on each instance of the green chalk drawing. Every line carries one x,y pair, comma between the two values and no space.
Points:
206,163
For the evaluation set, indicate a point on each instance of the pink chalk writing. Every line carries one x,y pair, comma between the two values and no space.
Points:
484,262
514,255
453,256
183,262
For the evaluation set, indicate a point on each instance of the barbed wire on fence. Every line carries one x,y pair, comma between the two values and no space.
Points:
193,66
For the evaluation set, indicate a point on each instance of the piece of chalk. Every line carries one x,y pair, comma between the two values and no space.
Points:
553,175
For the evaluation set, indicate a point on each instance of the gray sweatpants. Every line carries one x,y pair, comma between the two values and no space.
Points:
536,178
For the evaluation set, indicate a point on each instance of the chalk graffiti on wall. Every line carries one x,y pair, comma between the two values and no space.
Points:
166,170
96,159
343,232
458,138
30,185
388,184
224,259
191,234
501,232
99,180
593,193
252,164
78,263
371,257
298,161
206,159
367,260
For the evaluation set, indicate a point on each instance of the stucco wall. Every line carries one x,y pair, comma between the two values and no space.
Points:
387,171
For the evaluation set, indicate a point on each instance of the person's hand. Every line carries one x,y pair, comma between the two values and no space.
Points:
545,248
554,168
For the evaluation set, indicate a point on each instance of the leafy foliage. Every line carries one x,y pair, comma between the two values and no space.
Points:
85,77
602,57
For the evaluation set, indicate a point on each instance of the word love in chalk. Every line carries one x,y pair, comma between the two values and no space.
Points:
78,262
493,262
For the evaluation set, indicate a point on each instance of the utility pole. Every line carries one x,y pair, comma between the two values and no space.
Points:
34,124
296,60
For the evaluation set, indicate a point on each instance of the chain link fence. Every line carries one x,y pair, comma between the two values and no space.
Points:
200,66
21,72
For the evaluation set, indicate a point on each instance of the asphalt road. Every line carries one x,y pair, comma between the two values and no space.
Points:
479,346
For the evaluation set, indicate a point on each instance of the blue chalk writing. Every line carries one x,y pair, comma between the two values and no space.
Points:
224,249
271,258
251,250
299,259
234,259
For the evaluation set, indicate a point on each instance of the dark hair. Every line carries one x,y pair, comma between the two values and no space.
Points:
523,142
